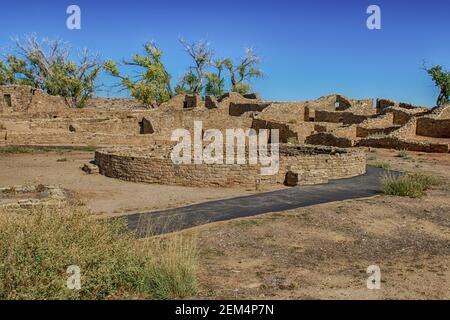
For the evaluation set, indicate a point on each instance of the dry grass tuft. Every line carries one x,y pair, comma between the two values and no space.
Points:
411,185
38,245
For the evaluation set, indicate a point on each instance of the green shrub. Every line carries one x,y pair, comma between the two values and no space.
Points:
408,185
38,245
403,154
30,149
19,149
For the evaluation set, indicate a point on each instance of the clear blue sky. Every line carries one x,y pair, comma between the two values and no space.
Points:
308,48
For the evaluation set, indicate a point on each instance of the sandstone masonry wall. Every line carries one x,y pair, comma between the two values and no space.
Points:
313,167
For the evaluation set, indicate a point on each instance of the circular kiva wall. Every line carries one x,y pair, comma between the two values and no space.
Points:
297,165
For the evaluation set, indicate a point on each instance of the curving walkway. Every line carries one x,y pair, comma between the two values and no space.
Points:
159,222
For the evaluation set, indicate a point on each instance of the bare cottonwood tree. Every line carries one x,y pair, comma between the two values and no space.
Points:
54,72
241,72
201,54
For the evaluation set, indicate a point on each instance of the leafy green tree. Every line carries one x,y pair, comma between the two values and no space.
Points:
441,79
15,71
64,80
187,84
242,72
47,65
215,85
152,86
200,52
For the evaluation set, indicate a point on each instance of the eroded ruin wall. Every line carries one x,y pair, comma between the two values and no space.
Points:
25,99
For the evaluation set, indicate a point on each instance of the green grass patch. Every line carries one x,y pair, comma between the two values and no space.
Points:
411,185
34,149
403,154
38,245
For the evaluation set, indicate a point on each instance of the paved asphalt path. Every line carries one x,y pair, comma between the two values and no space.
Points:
159,222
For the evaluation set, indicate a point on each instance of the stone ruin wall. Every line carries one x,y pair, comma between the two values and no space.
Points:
26,99
436,128
285,132
114,104
404,139
330,139
381,125
382,104
119,127
312,168
442,112
331,120
396,143
343,117
285,112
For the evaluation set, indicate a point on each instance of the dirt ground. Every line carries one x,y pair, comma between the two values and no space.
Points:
105,196
323,251
317,252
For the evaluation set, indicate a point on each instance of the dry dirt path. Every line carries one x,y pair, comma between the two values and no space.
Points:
105,196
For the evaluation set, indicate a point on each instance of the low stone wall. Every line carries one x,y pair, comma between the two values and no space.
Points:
153,165
329,139
238,109
363,132
430,127
393,142
114,104
401,117
26,99
29,196
339,117
284,131
286,112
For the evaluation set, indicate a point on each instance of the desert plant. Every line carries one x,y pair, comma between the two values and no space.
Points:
2,126
411,185
243,71
201,54
37,245
187,84
215,85
47,65
403,154
441,79
152,86
171,274
15,71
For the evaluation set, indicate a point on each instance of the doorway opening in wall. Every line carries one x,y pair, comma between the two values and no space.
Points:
8,100
146,127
